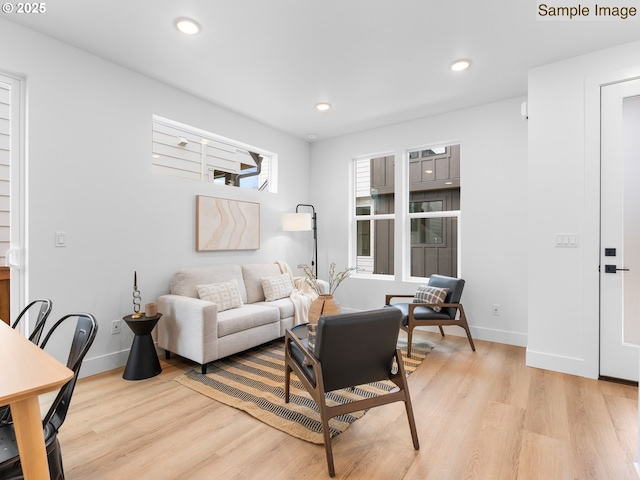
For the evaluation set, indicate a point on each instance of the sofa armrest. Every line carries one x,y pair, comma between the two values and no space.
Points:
324,286
300,283
188,327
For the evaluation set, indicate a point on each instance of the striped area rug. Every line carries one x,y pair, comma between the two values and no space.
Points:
253,381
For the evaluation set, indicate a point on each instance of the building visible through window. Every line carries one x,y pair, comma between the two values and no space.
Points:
434,205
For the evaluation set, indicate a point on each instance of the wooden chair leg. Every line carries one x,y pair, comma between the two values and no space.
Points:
327,439
466,328
465,325
287,378
441,330
409,340
412,424
407,401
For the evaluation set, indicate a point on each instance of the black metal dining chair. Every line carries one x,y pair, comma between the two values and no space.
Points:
83,336
40,320
45,309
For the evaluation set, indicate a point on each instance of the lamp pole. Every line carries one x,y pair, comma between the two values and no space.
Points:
314,262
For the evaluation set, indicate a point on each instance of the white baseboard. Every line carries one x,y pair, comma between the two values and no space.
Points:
104,363
499,336
557,363
481,333
478,333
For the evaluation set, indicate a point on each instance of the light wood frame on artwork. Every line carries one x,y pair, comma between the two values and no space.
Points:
223,224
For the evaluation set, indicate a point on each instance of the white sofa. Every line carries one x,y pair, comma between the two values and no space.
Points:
197,330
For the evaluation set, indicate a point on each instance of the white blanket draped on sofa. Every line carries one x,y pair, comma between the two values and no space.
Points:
302,295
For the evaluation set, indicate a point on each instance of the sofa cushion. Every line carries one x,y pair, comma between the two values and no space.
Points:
185,280
224,294
253,273
249,316
284,305
276,288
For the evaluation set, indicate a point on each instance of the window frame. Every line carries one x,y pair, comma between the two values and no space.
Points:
409,216
207,141
402,218
371,217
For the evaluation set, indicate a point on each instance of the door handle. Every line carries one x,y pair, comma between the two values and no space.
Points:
13,257
614,269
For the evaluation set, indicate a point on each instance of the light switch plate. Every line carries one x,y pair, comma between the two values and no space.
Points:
567,240
61,239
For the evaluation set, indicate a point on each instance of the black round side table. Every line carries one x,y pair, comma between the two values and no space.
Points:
143,360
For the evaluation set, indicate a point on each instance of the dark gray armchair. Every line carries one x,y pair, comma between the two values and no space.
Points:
427,314
351,349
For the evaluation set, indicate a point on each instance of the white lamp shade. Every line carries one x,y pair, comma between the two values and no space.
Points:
296,222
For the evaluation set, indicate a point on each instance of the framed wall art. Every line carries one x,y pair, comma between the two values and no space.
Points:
223,224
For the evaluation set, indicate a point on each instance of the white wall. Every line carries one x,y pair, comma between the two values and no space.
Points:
89,175
89,141
563,197
493,141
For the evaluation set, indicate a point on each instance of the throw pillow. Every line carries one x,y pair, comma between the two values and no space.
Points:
427,294
276,288
224,294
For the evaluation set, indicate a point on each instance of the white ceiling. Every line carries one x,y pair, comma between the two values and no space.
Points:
376,62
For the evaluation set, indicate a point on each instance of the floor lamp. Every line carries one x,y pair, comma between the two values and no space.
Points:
303,222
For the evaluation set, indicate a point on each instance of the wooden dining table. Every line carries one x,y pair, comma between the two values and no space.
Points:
26,371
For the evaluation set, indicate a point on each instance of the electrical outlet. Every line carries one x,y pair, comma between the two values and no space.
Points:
495,310
115,326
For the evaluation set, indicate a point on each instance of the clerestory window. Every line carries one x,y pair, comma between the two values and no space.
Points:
189,152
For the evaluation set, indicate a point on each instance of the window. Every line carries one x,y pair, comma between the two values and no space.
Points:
188,152
375,214
434,208
432,216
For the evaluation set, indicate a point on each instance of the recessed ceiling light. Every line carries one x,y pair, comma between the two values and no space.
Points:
460,65
323,106
188,26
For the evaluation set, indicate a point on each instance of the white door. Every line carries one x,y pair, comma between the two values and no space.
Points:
620,231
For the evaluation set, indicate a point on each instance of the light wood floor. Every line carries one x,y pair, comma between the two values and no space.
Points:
482,415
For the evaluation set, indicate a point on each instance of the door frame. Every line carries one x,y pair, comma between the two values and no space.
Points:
619,308
19,235
591,238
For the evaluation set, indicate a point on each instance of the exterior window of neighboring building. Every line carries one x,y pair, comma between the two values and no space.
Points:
188,152
433,193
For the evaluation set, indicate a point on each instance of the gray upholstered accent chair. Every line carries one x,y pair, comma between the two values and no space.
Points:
351,349
447,312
